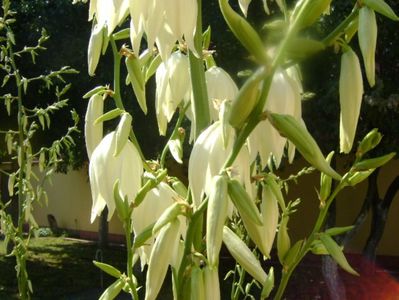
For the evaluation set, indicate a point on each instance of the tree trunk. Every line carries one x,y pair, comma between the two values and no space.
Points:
103,230
380,209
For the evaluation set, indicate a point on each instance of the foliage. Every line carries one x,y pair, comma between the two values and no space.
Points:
19,131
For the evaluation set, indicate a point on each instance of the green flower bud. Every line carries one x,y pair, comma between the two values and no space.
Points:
373,163
283,239
161,256
243,32
350,98
325,182
243,202
246,99
167,216
358,177
94,49
293,253
216,217
268,285
297,133
112,291
307,12
336,252
382,7
243,255
369,142
136,79
368,41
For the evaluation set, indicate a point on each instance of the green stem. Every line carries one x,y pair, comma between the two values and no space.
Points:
129,266
332,37
118,99
197,74
288,270
22,274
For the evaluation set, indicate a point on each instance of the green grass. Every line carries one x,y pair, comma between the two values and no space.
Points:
59,268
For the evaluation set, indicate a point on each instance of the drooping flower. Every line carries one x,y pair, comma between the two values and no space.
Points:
207,158
350,98
173,84
93,132
220,87
105,169
164,23
94,48
284,98
244,6
109,13
154,204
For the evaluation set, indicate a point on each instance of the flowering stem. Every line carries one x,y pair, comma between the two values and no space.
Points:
288,270
129,266
197,74
118,99
331,38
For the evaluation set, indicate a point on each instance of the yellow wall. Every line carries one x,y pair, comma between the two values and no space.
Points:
70,203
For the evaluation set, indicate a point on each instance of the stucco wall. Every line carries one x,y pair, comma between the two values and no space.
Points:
70,202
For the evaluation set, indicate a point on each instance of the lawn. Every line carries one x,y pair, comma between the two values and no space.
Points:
61,268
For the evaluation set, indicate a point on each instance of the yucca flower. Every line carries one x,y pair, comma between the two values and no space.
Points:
105,169
284,98
164,23
207,158
109,13
173,84
350,98
93,132
220,87
154,204
244,6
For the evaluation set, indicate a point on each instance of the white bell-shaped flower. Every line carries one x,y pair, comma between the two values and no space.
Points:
208,157
173,84
244,6
105,169
93,132
154,204
109,13
220,87
164,22
284,98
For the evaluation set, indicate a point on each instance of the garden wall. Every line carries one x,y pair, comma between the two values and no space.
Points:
70,203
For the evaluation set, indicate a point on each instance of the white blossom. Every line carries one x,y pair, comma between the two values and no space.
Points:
105,169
